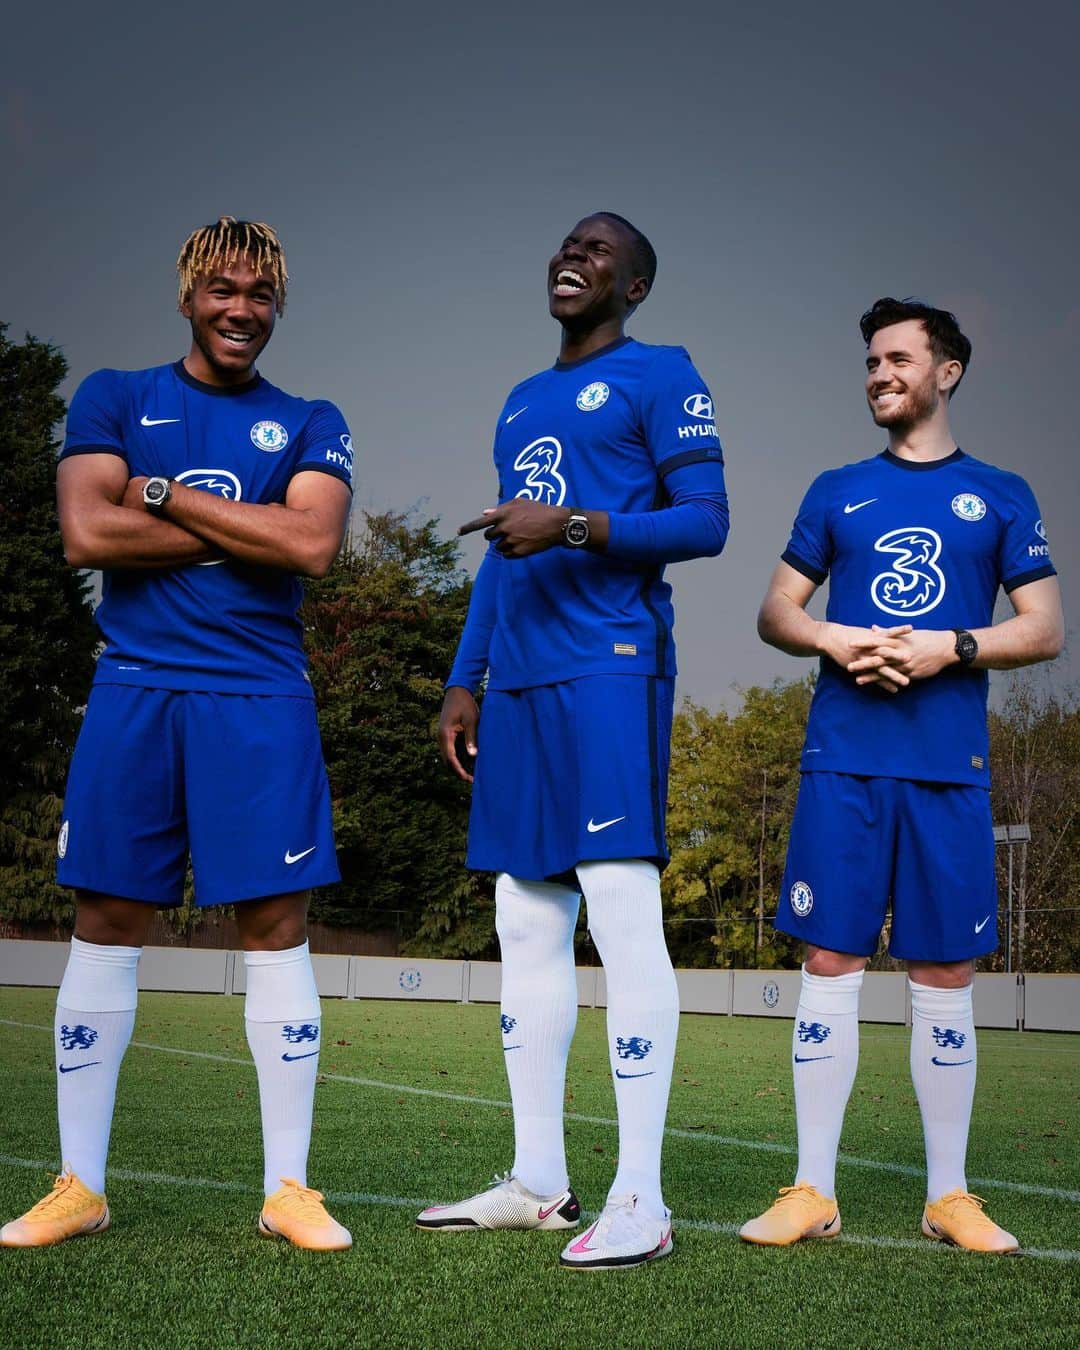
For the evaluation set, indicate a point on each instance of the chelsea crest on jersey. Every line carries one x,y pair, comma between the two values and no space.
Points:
218,626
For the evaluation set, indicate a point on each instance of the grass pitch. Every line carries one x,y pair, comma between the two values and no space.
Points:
412,1109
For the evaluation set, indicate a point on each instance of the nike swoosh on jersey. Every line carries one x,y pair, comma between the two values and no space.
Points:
70,1068
980,926
157,421
620,1074
289,1058
848,508
949,1063
595,828
295,857
805,1059
516,414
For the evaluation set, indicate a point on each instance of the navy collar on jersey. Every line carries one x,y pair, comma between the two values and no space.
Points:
592,356
227,390
922,465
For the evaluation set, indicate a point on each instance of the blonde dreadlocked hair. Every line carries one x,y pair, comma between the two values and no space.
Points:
222,245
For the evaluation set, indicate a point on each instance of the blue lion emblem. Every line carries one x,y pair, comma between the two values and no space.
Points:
304,1032
815,1033
949,1039
633,1047
507,1024
77,1037
539,461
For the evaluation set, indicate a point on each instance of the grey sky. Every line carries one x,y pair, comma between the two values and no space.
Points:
790,163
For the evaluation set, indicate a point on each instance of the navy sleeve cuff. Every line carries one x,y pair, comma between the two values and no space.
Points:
815,574
701,454
1036,574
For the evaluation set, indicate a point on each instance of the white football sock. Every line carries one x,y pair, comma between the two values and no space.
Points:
282,1019
95,1016
825,1055
625,920
943,1064
535,921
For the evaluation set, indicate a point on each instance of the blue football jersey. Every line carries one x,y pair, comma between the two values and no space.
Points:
223,627
629,430
926,544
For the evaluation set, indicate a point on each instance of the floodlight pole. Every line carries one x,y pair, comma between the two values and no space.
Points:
1010,835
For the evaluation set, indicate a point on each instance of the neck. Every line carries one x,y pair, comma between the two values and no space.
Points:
925,441
577,344
197,366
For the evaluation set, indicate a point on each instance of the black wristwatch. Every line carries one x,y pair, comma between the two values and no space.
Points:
156,493
575,532
967,648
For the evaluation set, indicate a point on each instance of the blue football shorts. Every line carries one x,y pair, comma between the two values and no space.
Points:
858,844
236,780
571,772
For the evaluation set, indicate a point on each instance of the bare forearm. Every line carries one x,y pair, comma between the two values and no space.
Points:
268,535
1019,641
117,537
785,625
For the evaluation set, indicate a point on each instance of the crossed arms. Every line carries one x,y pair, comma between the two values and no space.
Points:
104,524
892,657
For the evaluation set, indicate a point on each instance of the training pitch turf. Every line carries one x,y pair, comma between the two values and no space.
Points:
411,1109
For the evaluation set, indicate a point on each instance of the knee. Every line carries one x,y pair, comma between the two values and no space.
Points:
535,921
276,924
942,974
106,921
821,961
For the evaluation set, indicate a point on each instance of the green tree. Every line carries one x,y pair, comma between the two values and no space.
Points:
1035,759
47,634
730,799
381,630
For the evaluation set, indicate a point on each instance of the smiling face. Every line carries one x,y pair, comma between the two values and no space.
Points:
904,382
593,278
232,310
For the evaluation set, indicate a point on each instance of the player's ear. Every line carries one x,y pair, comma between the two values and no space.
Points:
637,291
185,306
949,373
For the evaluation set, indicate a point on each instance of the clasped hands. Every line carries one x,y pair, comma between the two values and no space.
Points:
889,657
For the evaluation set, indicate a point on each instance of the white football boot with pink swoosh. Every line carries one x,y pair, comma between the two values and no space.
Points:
507,1204
621,1236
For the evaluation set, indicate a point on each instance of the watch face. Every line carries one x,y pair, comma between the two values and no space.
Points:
966,647
155,490
577,531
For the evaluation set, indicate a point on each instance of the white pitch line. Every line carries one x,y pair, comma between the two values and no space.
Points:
402,1202
723,1140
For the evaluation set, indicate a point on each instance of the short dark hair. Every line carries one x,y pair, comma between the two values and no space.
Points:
947,343
644,253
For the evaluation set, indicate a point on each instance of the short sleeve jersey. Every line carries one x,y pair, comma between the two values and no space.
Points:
221,626
602,433
922,543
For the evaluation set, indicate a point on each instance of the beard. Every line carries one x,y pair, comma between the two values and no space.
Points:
917,405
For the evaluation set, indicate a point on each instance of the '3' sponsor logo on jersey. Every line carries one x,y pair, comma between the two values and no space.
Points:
914,584
539,462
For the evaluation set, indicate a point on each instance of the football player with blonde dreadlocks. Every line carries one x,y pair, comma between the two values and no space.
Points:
204,494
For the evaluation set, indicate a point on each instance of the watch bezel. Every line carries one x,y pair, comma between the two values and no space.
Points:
576,531
966,646
155,504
